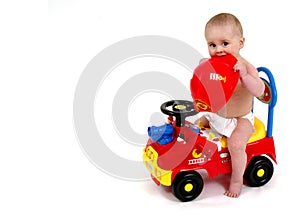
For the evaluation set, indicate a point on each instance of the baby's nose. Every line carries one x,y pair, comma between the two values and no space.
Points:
219,48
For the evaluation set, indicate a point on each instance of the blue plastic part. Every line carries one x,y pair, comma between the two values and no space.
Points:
165,139
161,134
273,101
195,128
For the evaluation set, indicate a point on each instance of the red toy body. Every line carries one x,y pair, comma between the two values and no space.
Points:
177,159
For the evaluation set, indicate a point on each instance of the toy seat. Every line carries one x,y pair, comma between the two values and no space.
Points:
259,133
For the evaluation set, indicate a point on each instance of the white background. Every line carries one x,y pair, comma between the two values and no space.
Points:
43,53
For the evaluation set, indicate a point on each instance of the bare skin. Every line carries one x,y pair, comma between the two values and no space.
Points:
237,146
226,38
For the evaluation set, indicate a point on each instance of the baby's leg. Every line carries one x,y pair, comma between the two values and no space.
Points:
237,149
202,122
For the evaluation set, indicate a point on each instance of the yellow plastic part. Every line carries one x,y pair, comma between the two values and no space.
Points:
260,173
260,132
188,187
150,160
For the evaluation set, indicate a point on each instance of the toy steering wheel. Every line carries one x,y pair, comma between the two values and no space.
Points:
180,110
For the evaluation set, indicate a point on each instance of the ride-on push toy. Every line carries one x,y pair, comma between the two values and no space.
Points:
178,150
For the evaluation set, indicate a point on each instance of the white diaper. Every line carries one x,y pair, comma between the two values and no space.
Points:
225,126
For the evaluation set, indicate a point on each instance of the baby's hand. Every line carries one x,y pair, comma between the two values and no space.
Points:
240,67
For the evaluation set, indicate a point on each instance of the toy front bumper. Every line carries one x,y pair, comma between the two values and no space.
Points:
160,176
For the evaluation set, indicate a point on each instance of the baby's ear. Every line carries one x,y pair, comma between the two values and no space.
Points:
242,42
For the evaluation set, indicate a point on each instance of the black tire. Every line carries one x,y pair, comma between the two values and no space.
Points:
259,171
187,186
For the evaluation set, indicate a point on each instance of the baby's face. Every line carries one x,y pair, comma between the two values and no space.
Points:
223,39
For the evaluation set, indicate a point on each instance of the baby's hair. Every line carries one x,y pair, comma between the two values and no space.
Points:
225,18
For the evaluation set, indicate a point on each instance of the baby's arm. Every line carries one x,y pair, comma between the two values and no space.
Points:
249,78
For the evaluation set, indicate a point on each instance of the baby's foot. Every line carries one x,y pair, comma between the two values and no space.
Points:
234,190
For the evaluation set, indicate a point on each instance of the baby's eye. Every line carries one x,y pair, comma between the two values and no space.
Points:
225,44
212,45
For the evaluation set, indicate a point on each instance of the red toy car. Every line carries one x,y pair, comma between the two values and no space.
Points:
176,151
